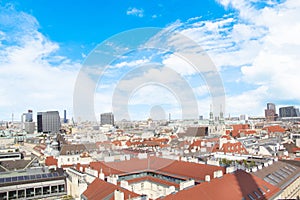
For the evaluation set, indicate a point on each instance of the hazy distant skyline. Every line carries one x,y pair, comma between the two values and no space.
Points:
254,45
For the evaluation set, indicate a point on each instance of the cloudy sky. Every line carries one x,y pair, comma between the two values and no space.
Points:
254,46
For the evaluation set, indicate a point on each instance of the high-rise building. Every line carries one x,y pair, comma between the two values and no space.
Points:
289,111
28,116
270,112
28,125
107,118
65,116
48,122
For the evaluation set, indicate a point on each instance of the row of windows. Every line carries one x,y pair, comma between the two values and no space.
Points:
32,192
68,159
74,152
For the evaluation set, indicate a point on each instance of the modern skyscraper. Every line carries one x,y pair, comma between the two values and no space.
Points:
270,112
271,106
28,116
107,118
65,116
28,125
48,122
289,111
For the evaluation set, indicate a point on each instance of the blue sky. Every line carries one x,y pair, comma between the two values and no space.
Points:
79,27
253,44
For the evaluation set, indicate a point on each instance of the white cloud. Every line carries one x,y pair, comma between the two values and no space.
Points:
27,77
262,41
133,63
135,12
248,102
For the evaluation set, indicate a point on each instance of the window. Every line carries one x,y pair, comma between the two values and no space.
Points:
61,188
12,194
251,197
38,191
46,190
266,188
21,193
256,194
29,192
261,191
54,189
3,195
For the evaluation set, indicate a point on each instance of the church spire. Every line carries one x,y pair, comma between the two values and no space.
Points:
221,115
211,116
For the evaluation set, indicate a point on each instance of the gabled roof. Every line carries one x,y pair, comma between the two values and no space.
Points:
72,149
231,186
100,189
236,147
179,169
274,129
194,132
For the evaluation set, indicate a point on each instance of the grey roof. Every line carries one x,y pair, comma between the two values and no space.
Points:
280,174
72,149
14,164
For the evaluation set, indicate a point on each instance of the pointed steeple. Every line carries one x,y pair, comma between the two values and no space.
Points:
221,115
211,116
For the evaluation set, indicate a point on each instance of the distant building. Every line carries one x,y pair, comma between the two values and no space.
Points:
270,112
216,126
28,116
107,118
48,122
244,117
289,111
65,117
28,125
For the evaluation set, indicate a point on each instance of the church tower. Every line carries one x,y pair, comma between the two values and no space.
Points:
211,123
222,127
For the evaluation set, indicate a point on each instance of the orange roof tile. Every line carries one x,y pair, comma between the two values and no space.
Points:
274,129
50,160
231,186
154,180
179,169
236,147
100,189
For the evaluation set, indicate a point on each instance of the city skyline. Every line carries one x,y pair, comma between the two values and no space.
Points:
42,52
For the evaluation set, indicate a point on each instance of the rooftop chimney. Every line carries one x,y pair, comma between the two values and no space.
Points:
118,195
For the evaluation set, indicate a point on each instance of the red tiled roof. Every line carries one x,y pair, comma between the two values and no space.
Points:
179,169
231,186
236,147
240,128
117,143
154,180
274,129
50,160
100,189
189,170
